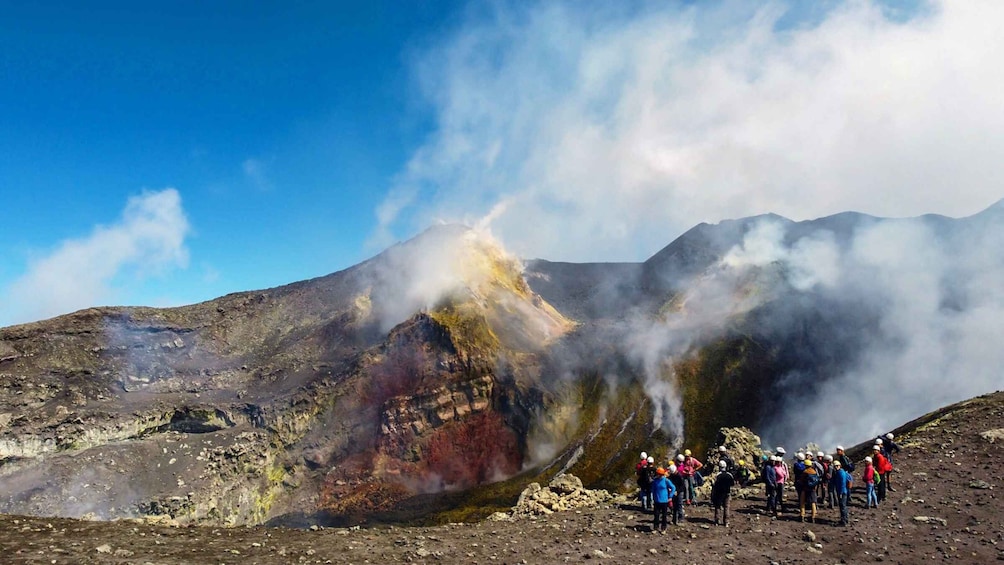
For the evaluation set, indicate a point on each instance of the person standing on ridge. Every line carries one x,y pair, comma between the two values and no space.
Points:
662,491
807,495
679,486
770,485
890,448
868,476
782,477
840,486
721,491
690,466
883,467
723,455
845,462
646,473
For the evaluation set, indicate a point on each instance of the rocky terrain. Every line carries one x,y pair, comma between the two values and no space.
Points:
436,380
945,508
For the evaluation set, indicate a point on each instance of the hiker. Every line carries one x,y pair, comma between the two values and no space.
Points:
883,467
743,474
840,485
721,491
662,491
770,484
810,478
723,455
890,448
845,462
645,474
798,477
823,468
868,476
782,477
830,496
679,487
779,453
691,466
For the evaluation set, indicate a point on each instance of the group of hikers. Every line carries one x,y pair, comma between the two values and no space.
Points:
817,478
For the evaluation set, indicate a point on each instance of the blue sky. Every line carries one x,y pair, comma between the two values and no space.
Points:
166,153
280,126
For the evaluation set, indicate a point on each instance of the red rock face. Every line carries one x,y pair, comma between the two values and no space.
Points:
476,450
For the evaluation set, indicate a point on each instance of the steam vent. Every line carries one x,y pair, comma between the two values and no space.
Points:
438,379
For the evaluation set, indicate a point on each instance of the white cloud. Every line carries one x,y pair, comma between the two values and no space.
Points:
608,133
79,273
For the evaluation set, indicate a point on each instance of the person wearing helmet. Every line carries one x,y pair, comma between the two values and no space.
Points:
828,469
661,493
890,448
743,474
678,487
840,485
822,468
868,476
721,491
782,477
798,477
845,462
809,478
770,484
723,455
688,468
645,475
883,467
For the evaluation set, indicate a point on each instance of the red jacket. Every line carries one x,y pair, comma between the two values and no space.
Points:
869,473
882,463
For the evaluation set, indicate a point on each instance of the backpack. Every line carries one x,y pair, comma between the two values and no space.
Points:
811,479
878,478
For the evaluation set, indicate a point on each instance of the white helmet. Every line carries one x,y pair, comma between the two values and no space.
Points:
800,456
878,441
868,459
889,436
723,465
672,468
721,448
644,455
820,454
780,451
679,457
840,448
651,459
828,458
876,447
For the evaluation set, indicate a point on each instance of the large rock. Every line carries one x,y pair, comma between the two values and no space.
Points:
565,492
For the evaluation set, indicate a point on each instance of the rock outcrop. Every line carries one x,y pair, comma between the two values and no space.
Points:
564,492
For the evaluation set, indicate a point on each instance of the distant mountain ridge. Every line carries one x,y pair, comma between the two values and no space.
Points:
438,377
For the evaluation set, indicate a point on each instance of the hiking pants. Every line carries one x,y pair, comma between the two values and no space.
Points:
842,500
678,508
725,511
882,487
832,498
688,485
779,497
771,499
646,497
661,514
872,496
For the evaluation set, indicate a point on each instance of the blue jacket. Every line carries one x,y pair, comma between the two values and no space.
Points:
840,483
662,490
770,475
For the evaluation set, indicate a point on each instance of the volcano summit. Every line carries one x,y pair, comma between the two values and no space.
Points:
438,378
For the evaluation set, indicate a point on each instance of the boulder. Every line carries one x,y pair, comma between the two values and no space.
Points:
564,492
